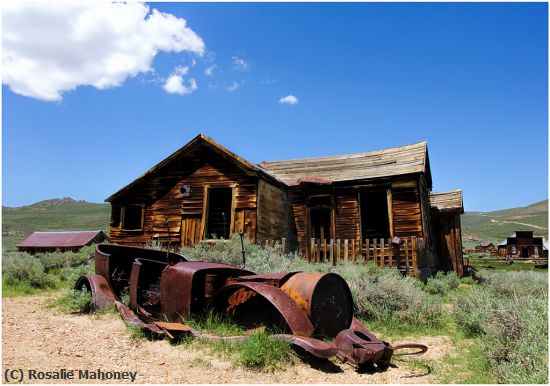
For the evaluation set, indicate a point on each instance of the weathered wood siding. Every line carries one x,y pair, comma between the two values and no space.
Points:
163,200
273,212
449,243
299,223
346,215
406,208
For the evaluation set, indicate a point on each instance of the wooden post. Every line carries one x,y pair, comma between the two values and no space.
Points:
283,244
318,250
367,250
407,254
374,252
360,247
390,253
353,250
324,249
332,251
413,247
337,250
346,249
383,252
312,250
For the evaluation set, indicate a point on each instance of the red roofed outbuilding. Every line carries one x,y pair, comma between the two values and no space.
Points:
71,241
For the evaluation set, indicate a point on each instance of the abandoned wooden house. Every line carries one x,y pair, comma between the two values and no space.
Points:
71,241
522,244
485,246
337,207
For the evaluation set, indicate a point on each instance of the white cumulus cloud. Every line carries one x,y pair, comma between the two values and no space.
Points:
175,83
289,100
53,47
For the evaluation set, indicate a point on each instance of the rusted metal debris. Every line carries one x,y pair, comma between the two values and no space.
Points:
166,289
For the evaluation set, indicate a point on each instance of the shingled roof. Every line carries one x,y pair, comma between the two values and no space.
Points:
447,201
403,160
409,159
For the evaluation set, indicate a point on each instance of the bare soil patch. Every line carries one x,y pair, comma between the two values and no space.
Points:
37,337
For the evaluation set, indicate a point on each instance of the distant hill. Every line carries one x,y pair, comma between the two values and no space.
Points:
495,226
57,214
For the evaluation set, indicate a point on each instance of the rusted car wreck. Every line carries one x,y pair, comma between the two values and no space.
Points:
166,289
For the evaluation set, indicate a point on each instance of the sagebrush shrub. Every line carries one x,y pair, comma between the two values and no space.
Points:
258,259
442,283
510,319
22,268
382,294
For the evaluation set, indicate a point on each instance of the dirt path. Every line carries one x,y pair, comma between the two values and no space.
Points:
36,337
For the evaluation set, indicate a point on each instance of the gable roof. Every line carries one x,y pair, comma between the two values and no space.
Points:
486,243
199,140
450,201
409,159
59,239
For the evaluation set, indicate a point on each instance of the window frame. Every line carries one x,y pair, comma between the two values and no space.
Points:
206,207
123,217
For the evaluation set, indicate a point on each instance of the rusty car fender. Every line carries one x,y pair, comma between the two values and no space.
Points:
232,297
102,294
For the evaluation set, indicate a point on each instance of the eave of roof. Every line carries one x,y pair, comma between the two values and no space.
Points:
450,201
397,161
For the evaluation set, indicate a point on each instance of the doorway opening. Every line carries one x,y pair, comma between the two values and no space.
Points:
375,222
320,218
218,213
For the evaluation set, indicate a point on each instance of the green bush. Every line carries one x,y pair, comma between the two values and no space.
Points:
75,301
442,283
517,283
22,268
71,275
510,322
383,294
258,259
63,259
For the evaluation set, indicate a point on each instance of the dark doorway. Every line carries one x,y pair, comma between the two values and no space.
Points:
218,213
525,252
320,223
319,217
375,223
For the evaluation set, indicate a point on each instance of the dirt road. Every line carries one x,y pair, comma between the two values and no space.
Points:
40,338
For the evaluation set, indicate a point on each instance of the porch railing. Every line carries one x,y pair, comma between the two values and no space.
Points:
380,251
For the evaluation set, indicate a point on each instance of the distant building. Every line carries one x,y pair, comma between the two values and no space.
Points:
486,247
60,241
522,244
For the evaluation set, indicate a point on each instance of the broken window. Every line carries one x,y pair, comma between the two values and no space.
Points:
132,217
319,217
115,215
375,223
218,213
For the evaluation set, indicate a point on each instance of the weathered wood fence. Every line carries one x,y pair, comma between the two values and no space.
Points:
380,251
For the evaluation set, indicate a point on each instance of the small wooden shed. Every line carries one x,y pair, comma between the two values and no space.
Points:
446,210
70,241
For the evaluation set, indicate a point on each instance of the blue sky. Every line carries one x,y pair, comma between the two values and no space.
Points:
471,79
